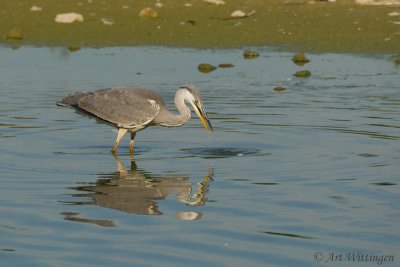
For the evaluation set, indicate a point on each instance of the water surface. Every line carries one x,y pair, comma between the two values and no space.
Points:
288,178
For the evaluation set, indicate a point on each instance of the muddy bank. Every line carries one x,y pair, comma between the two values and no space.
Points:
322,26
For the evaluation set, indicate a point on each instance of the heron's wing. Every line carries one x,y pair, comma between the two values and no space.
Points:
127,108
71,100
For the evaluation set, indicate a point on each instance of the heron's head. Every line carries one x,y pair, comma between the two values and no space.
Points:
193,97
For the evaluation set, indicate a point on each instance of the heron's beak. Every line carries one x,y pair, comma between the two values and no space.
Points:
203,116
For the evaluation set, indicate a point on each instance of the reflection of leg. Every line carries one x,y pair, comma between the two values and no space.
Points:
121,133
131,144
133,165
209,176
120,165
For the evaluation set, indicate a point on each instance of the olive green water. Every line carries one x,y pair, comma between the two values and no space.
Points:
307,176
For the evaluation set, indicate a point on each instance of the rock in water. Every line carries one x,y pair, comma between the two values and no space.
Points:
302,74
279,89
250,54
226,65
300,58
206,68
397,60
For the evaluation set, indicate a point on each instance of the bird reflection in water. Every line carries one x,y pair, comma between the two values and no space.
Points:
136,191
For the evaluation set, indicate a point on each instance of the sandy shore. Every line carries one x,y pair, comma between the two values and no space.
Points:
321,26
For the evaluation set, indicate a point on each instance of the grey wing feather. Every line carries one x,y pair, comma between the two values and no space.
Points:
127,108
72,99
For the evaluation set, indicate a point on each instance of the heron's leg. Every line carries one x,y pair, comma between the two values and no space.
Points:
121,133
131,144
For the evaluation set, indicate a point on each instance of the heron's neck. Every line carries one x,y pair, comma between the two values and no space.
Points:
175,120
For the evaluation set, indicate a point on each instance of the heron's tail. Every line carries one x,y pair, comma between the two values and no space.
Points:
72,99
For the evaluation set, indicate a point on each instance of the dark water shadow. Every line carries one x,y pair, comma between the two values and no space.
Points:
136,191
384,183
221,152
281,234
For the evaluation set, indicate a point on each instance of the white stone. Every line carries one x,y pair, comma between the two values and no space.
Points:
378,2
36,8
393,14
215,2
68,17
148,12
107,21
238,14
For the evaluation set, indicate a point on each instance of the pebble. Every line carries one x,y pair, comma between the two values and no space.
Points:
393,14
148,12
215,2
159,4
107,21
68,17
36,8
238,14
15,34
242,14
378,3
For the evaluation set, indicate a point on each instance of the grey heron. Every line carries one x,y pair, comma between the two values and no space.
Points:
134,109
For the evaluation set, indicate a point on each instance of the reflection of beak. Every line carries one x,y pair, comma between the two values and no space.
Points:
203,116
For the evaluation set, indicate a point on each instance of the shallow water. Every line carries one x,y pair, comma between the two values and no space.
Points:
304,177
